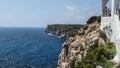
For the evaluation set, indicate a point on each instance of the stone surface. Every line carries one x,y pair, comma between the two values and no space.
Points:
75,48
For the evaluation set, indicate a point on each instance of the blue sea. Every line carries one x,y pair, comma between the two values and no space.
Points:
28,48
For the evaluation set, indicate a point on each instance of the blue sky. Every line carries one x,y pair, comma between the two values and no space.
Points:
40,13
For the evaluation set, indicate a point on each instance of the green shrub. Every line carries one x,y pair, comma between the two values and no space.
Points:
94,19
99,56
99,19
102,35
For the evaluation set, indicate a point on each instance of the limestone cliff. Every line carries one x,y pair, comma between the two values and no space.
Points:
63,30
86,46
75,48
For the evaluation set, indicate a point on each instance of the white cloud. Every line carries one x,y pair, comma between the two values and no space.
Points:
72,12
78,13
70,7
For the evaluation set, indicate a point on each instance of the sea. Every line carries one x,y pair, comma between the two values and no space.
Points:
29,48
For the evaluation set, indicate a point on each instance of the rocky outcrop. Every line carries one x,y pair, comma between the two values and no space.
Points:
75,48
63,30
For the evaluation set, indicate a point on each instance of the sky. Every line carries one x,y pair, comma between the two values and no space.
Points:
40,13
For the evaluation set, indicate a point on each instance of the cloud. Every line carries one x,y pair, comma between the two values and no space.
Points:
70,7
70,10
72,14
77,14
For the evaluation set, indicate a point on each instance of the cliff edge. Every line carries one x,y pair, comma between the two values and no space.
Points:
75,49
86,45
90,48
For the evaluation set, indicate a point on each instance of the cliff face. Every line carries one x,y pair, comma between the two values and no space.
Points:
63,30
75,48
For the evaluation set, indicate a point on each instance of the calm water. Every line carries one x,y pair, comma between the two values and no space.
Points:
28,48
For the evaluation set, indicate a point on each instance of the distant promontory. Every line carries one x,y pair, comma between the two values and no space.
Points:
64,30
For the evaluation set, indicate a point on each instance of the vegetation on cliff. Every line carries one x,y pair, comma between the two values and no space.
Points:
94,19
88,49
102,35
99,56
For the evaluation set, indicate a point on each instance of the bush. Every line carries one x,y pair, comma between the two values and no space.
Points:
94,19
99,56
99,19
102,35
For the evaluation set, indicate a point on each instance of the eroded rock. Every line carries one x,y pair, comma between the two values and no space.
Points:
75,48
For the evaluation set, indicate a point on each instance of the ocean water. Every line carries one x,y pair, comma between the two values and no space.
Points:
28,48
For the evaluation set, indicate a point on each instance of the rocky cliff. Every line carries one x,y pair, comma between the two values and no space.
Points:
86,46
63,30
75,49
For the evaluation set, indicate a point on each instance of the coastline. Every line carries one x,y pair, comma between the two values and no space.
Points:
54,35
76,48
63,30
